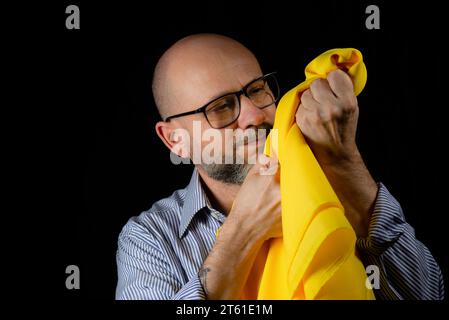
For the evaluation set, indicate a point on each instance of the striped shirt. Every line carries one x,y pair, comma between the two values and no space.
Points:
161,251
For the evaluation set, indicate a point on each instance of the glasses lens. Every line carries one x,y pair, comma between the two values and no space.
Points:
264,92
223,111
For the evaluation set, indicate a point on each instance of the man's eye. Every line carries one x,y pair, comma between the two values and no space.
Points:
257,90
221,108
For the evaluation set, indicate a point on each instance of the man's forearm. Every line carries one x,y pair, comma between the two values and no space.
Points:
356,190
225,270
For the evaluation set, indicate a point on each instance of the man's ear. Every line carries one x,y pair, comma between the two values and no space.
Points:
176,139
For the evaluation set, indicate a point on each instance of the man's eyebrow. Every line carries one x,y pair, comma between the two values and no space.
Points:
224,93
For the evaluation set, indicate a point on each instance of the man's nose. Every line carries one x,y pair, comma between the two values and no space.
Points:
250,115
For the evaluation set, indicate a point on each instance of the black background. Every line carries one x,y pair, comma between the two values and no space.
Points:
93,157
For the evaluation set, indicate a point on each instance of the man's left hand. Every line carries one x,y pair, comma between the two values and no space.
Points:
328,116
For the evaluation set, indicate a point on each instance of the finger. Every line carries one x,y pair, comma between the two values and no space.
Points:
301,119
312,125
308,105
307,119
269,167
322,91
318,113
308,102
340,83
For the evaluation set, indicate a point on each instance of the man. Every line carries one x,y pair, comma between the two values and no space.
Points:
173,251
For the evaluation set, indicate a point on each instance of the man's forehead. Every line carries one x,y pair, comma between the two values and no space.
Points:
201,84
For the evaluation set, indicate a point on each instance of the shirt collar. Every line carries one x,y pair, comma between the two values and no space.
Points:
195,201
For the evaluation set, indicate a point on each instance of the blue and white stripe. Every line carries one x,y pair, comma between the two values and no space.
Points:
161,251
408,269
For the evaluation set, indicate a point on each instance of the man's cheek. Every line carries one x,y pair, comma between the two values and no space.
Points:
271,113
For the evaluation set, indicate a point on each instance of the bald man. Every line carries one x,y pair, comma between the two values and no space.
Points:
209,85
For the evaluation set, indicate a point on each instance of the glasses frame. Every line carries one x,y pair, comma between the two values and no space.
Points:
238,94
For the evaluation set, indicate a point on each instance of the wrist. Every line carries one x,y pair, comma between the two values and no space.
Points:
344,163
243,235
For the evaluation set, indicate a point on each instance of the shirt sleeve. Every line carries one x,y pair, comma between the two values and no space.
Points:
407,268
145,274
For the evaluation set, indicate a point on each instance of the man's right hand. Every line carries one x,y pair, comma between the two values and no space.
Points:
257,207
255,217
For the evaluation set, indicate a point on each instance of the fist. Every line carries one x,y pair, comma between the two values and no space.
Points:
257,206
327,116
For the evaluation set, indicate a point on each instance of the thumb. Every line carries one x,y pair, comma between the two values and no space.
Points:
267,165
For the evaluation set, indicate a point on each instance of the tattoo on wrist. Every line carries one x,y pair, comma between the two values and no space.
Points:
203,275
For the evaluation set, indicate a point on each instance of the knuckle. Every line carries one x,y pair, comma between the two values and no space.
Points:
330,112
326,116
335,112
348,102
316,119
317,84
350,107
306,94
338,73
314,84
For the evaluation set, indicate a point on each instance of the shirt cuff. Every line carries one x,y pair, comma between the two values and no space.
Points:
192,290
386,225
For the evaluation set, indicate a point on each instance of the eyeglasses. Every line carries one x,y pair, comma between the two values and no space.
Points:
223,111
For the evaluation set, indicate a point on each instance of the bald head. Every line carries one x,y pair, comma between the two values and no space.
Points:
197,69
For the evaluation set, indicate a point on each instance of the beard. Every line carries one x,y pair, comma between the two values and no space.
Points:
228,173
235,172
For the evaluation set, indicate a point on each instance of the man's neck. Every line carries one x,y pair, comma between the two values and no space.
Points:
221,195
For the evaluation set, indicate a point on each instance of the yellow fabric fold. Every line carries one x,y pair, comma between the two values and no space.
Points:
315,258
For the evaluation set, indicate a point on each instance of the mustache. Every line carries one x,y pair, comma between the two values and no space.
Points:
252,134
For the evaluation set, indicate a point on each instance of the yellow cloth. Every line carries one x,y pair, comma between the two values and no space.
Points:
316,258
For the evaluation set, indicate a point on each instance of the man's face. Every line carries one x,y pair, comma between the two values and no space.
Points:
226,154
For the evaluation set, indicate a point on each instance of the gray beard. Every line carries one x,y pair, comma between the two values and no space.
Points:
228,173
232,173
